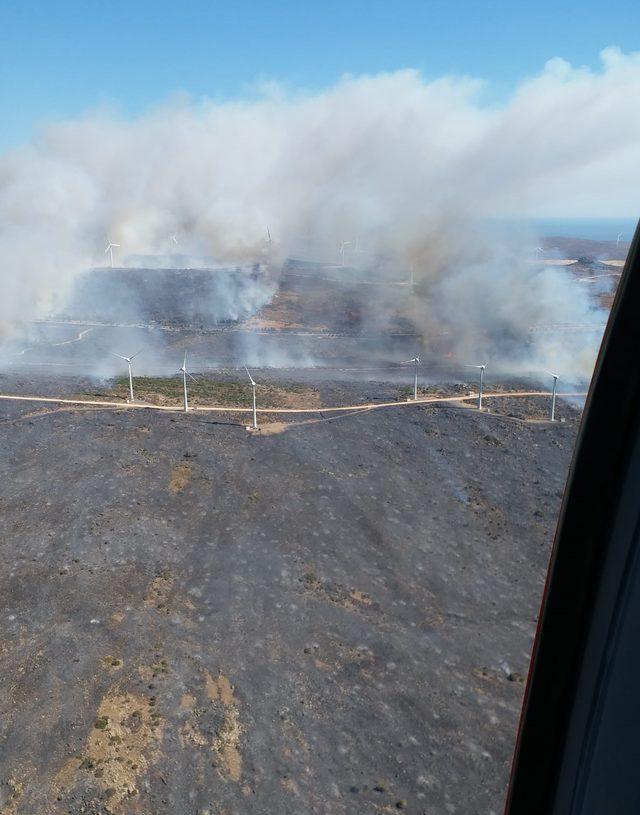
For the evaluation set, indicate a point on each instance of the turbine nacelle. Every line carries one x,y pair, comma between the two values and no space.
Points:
183,370
127,359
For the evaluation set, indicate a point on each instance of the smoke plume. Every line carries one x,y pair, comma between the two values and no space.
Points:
413,168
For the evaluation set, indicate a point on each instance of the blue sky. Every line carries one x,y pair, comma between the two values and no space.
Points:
60,58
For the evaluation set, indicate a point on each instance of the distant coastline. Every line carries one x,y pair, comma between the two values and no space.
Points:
596,229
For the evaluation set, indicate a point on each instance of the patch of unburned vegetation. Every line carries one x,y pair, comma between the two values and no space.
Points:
122,745
207,391
180,477
213,723
405,392
281,313
273,428
159,592
11,792
349,598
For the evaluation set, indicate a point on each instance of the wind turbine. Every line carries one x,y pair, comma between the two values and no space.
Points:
539,251
481,369
269,240
109,249
342,247
553,395
619,238
416,362
173,240
185,374
253,388
128,360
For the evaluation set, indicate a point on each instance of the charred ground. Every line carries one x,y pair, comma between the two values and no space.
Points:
328,617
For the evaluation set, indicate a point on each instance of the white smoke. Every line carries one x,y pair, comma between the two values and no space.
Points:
405,164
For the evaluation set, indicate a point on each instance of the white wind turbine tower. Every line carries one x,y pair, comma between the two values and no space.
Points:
416,361
553,394
173,241
481,368
253,388
185,374
343,244
109,249
269,239
129,360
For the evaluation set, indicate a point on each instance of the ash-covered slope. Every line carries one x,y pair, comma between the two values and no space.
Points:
198,298
325,299
332,619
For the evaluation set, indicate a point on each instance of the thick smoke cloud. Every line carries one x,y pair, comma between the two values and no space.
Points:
409,166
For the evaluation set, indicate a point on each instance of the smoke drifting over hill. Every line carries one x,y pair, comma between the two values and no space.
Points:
412,168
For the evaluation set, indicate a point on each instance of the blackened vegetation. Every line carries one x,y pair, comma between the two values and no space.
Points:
197,298
342,300
333,618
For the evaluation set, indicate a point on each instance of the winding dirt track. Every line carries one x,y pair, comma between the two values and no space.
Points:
428,400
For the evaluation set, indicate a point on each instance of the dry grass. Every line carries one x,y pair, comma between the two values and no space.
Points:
206,391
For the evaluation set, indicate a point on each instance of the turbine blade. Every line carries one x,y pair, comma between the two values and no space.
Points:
119,356
191,377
